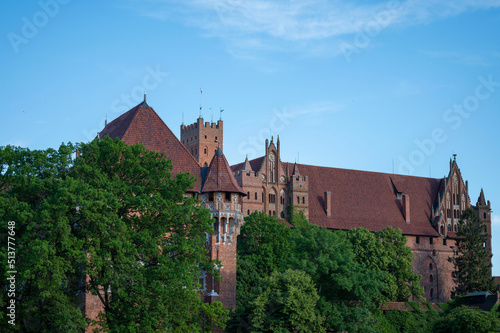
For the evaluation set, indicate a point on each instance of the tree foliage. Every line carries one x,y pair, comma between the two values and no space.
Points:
386,250
286,303
112,222
349,289
471,260
466,319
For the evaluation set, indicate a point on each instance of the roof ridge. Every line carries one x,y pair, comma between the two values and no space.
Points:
168,128
366,171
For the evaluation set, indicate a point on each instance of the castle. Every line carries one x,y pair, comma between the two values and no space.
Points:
425,209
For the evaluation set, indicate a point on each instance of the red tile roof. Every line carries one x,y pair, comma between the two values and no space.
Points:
219,176
369,200
255,164
142,124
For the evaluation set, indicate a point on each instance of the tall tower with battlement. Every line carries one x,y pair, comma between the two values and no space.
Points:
201,139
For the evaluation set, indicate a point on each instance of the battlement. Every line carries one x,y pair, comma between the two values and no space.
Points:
201,124
299,179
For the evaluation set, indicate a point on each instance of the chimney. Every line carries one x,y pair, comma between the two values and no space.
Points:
406,207
328,203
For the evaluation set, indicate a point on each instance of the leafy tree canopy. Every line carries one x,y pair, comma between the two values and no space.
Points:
117,216
466,319
286,303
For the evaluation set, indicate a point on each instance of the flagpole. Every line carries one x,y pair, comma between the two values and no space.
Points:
201,105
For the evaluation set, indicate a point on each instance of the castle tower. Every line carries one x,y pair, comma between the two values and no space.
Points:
299,190
483,210
222,195
202,139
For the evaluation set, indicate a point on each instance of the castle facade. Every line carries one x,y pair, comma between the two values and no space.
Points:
425,209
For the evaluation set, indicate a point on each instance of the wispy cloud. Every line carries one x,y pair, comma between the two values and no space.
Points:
495,219
276,25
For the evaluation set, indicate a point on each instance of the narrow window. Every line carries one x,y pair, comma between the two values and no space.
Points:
431,278
228,196
444,241
205,136
248,195
432,292
298,200
430,266
255,195
485,216
205,151
431,240
211,196
201,281
417,240
248,212
269,212
304,200
442,230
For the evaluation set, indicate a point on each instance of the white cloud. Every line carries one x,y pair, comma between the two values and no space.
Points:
495,219
276,25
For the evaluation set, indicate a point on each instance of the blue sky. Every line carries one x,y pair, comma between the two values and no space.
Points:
378,86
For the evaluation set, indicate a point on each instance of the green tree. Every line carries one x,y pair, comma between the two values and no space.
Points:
466,319
471,259
35,214
117,217
348,291
386,251
398,259
286,303
297,218
264,245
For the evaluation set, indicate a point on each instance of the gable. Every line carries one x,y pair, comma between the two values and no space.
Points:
142,124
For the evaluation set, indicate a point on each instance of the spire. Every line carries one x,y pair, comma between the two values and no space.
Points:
247,166
481,201
219,150
295,171
144,102
220,177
